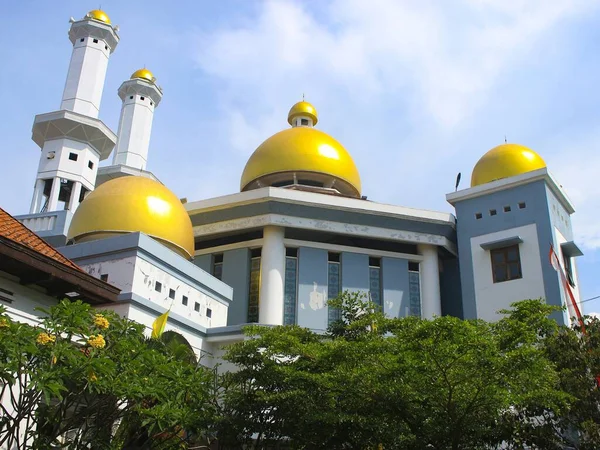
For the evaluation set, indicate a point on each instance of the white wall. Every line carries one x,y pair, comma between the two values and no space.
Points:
491,297
25,300
136,275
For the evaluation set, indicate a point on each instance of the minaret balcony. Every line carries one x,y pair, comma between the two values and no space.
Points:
71,125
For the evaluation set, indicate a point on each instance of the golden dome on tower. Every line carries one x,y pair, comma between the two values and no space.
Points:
302,156
303,109
131,204
144,74
98,14
505,161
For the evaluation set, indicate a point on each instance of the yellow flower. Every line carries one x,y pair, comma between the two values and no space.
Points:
93,377
54,360
45,338
4,322
97,341
101,322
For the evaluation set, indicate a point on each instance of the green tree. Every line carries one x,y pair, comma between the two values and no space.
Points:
398,383
70,381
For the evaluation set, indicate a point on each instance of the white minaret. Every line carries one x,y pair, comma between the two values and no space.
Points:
140,95
73,140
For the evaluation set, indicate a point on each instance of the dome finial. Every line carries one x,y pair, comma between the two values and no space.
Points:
303,114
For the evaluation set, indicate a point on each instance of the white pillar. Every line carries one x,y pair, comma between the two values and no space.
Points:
38,193
75,192
270,309
54,192
431,303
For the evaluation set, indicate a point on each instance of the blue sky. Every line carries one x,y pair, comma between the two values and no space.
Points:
416,91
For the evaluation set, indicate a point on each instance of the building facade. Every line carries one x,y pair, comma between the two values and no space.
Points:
298,232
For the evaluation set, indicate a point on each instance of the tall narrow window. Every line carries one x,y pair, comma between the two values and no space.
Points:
334,285
254,289
217,266
506,264
375,284
291,285
414,289
569,269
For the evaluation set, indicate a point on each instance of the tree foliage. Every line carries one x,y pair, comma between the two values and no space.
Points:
373,382
90,378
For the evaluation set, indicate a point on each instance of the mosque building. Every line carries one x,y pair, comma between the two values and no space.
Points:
298,232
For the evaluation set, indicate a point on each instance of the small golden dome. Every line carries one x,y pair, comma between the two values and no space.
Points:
144,74
505,161
303,109
98,14
131,204
306,152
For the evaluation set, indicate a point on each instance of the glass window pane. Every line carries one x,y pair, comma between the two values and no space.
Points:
512,253
497,256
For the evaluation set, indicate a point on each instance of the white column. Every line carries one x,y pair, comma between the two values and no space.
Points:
75,192
54,192
270,309
431,302
38,192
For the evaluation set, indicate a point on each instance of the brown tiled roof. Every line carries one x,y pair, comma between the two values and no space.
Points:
14,230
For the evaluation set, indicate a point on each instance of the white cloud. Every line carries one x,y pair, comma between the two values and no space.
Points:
447,54
399,82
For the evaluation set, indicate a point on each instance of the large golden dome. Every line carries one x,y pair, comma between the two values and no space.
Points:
505,161
98,14
144,74
302,156
130,204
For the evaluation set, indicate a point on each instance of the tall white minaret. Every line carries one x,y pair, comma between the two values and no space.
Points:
140,95
73,140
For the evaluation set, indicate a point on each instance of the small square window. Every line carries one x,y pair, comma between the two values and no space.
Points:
304,121
333,257
157,286
104,277
374,262
90,164
478,216
522,205
73,156
106,47
493,212
131,97
95,41
507,209
142,98
413,266
82,39
197,307
291,252
255,253
208,313
171,293
506,264
184,300
151,103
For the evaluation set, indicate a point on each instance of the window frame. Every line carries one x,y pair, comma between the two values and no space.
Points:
506,263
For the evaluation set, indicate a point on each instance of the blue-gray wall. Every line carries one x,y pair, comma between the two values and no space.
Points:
450,288
536,212
312,276
236,273
396,298
204,262
355,272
